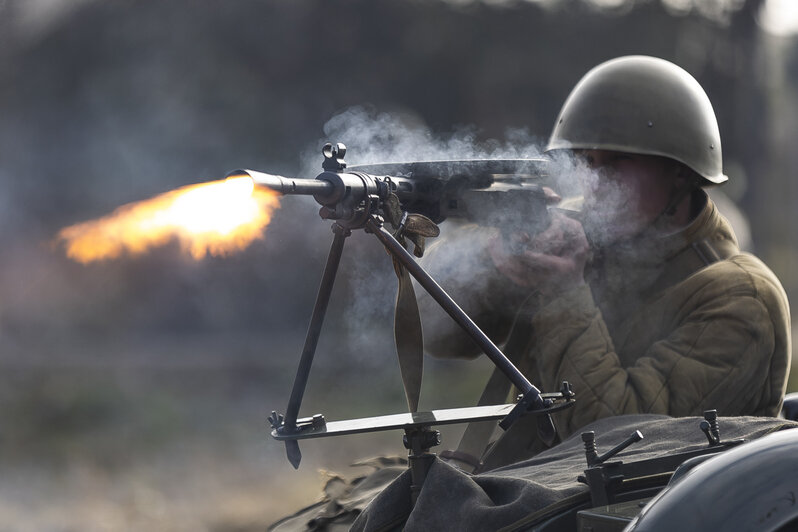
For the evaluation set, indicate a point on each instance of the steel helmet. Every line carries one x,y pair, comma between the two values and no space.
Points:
645,105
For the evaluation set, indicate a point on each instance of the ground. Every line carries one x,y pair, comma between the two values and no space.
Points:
171,434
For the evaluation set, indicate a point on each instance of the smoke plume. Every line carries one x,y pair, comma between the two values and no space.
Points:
461,263
374,137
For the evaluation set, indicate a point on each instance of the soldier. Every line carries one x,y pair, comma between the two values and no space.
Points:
646,305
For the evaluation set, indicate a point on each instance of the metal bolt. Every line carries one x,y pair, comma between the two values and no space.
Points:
589,439
711,416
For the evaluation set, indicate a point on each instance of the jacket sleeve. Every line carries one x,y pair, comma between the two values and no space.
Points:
716,355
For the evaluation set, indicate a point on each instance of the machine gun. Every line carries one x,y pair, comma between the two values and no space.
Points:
504,193
413,198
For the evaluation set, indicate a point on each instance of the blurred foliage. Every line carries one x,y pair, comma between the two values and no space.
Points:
58,415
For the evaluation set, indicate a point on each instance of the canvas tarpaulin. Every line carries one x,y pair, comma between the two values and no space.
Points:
454,500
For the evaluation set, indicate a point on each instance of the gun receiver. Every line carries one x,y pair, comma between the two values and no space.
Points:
501,193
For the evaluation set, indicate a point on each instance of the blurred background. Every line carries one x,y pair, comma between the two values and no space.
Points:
134,393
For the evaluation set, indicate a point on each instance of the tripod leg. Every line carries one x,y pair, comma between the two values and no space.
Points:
531,399
311,340
451,308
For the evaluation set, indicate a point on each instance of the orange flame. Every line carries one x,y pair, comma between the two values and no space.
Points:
216,218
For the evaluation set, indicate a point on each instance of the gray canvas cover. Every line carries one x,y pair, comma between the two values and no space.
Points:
454,500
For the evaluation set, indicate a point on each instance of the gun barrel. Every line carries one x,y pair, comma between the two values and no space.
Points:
284,185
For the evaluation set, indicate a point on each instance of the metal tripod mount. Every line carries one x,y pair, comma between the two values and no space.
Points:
358,204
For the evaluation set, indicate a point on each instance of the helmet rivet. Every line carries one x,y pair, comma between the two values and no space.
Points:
650,123
711,146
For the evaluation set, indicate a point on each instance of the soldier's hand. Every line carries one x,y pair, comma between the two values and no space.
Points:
551,261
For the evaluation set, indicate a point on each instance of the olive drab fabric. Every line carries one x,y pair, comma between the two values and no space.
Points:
344,499
669,325
718,338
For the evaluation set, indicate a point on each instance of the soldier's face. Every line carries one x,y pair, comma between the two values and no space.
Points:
624,192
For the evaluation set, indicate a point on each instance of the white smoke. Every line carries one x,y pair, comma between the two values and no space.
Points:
609,207
461,265
373,137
